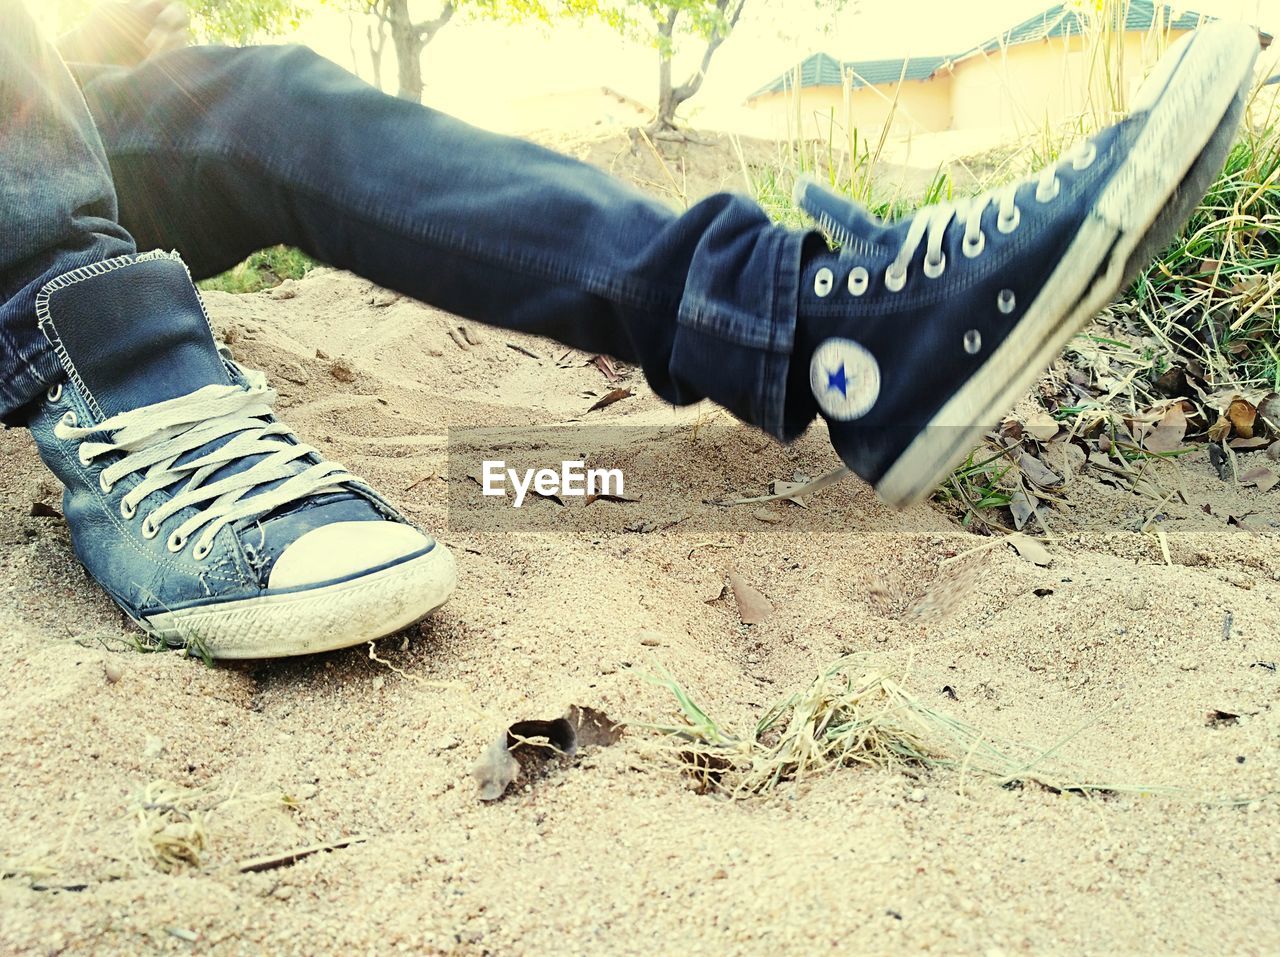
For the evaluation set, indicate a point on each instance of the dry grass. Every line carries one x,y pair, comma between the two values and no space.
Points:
857,713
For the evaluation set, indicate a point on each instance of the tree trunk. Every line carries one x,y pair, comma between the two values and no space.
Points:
671,97
408,43
376,50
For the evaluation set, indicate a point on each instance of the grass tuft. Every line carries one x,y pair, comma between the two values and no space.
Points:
855,713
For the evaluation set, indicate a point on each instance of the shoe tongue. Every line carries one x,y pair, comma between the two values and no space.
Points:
131,332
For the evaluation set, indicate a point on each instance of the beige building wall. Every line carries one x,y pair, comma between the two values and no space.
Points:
1025,86
924,106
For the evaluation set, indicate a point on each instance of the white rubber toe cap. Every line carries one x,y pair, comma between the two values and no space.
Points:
343,550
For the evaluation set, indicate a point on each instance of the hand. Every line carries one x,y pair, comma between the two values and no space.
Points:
126,32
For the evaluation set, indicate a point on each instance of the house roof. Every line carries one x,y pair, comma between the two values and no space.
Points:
1065,20
823,70
1060,20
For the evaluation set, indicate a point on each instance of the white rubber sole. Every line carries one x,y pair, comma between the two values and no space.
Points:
319,619
1215,65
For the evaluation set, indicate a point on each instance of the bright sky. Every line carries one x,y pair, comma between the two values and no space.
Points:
470,67
475,69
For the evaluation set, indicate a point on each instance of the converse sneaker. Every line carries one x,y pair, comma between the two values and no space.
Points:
917,336
203,516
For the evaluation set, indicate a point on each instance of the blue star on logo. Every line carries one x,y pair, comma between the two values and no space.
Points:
837,380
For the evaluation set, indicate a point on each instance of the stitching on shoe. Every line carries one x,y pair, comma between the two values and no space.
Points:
44,319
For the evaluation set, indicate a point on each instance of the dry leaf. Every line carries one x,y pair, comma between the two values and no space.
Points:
1262,477
1220,429
610,398
1256,442
1022,505
753,607
41,510
1029,548
594,729
1037,472
1242,414
1168,432
605,365
1042,425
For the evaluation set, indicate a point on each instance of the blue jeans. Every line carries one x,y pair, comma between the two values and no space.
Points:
217,152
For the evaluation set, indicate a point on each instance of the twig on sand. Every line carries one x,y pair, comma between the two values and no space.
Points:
269,862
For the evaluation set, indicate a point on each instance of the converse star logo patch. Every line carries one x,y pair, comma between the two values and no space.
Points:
845,379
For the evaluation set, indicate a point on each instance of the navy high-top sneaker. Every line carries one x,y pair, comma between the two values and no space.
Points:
205,518
917,336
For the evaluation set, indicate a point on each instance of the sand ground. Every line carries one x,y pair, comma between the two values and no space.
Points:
1146,672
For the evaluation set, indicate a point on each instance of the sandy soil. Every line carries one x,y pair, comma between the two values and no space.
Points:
1145,672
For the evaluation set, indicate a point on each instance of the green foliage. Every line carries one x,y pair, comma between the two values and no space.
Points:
263,270
240,21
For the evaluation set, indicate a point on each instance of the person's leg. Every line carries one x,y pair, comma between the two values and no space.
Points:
911,340
201,515
218,152
57,203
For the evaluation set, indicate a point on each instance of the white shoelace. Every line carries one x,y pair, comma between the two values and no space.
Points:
154,437
933,220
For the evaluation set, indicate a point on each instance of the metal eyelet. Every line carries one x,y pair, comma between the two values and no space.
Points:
201,551
149,528
973,249
823,280
176,542
972,341
859,281
1049,197
894,282
127,511
935,269
85,461
68,421
54,393
1005,301
1007,226
103,484
1082,162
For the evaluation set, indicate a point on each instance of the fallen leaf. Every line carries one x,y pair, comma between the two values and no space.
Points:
1273,451
1030,549
753,607
610,398
1037,472
594,729
41,510
1168,432
1041,425
1256,442
605,365
1220,429
1022,505
1242,414
791,492
1261,477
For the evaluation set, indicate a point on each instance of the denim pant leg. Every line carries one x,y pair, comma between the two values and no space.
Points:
57,204
217,152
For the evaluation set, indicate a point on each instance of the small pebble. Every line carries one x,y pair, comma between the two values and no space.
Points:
917,796
113,671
